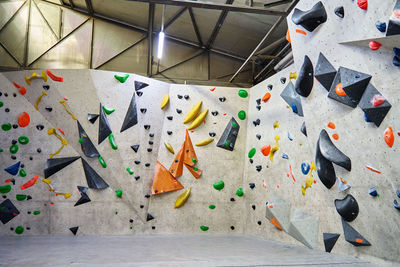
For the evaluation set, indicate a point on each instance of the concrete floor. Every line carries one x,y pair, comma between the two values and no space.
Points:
162,250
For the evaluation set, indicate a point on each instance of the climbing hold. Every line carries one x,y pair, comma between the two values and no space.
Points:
164,101
331,125
67,109
243,93
102,162
374,45
54,77
135,148
24,119
104,127
62,140
186,97
378,100
179,111
363,4
14,149
373,169
274,149
129,170
239,192
301,32
310,19
20,197
182,198
347,208
305,81
112,142
19,230
140,85
93,179
30,183
130,119
219,185
335,136
121,79
74,230
330,241
21,90
84,197
324,72
204,228
242,115
275,125
252,152
6,126
23,140
7,211
292,97
118,193
381,26
265,150
13,169
169,147
39,99
266,97
256,122
35,76
22,173
389,137
285,156
222,99
375,114
92,117
352,236
87,146
258,136
339,11
228,137
396,205
373,192
205,141
292,76
143,110
331,152
108,111
164,181
211,207
197,121
4,189
305,168
54,165
36,212
214,113
49,109
294,108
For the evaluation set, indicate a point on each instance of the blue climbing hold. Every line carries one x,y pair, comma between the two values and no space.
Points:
396,61
396,51
398,193
294,108
396,205
305,168
289,136
366,118
372,191
285,156
13,169
381,26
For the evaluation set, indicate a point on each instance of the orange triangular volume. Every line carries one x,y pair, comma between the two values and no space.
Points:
276,223
176,168
196,174
163,181
189,153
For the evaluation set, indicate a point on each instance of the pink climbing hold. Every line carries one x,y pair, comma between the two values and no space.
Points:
378,100
374,45
363,4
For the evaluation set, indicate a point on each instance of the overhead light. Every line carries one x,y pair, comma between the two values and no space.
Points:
161,36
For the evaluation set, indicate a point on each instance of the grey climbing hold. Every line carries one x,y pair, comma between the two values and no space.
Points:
291,96
228,137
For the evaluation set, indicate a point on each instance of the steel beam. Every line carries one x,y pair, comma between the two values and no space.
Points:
71,3
182,62
196,28
150,36
218,26
28,26
216,6
12,17
280,54
175,17
271,46
45,20
89,7
277,3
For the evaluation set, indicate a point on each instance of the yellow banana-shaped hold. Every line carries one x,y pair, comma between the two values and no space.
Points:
182,198
193,112
198,120
205,142
169,147
165,101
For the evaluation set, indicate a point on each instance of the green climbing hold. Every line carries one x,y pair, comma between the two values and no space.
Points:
252,152
23,140
22,173
242,115
226,143
80,141
20,197
1,150
219,185
6,126
102,162
243,93
116,213
211,207
239,192
121,79
108,111
112,142
118,193
194,160
37,212
14,149
19,230
195,169
234,124
204,228
4,189
129,170
1,104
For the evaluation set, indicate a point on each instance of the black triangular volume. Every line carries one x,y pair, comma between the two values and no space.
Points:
54,165
83,199
92,177
74,230
352,236
375,114
149,217
92,117
7,211
87,146
104,126
131,115
344,99
228,137
135,148
394,23
310,19
330,241
82,189
324,72
354,83
140,85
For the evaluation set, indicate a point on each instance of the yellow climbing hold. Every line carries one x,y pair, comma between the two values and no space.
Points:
198,120
165,101
64,142
51,189
39,99
35,76
169,147
276,124
292,75
274,148
309,182
193,112
182,198
66,195
205,142
66,108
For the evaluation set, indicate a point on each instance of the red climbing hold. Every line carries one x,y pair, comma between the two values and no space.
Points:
335,136
363,4
374,45
378,100
61,131
301,31
389,137
30,183
265,150
213,89
22,89
23,119
54,77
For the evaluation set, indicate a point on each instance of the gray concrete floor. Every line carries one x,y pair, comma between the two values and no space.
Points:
162,250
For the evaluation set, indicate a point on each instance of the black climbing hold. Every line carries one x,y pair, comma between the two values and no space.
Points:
331,152
179,111
84,197
151,134
7,110
131,220
29,212
140,85
149,149
39,127
394,25
381,26
214,113
259,222
179,96
87,146
324,72
375,114
310,19
141,206
30,158
330,241
232,199
143,110
137,178
74,230
292,97
46,87
49,109
373,192
256,122
253,207
147,164
258,168
258,101
14,95
13,181
5,94
7,211
14,142
347,208
269,87
228,137
56,164
147,127
305,79
22,165
104,126
258,108
283,80
39,150
352,236
186,97
232,227
169,132
170,118
339,11
14,157
29,197
135,148
251,161
153,227
222,99
151,142
139,93
131,115
92,177
212,134
15,126
137,162
258,136
252,185
147,196
325,170
149,217
92,117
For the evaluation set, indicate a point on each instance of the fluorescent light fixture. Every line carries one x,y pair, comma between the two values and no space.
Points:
161,36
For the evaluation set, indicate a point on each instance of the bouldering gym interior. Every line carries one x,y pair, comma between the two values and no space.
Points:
200,133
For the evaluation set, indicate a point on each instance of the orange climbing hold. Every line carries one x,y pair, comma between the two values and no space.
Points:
288,36
30,183
363,4
163,181
373,169
359,240
339,90
374,45
266,97
275,222
389,136
335,136
54,77
301,31
24,119
331,125
22,89
265,150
